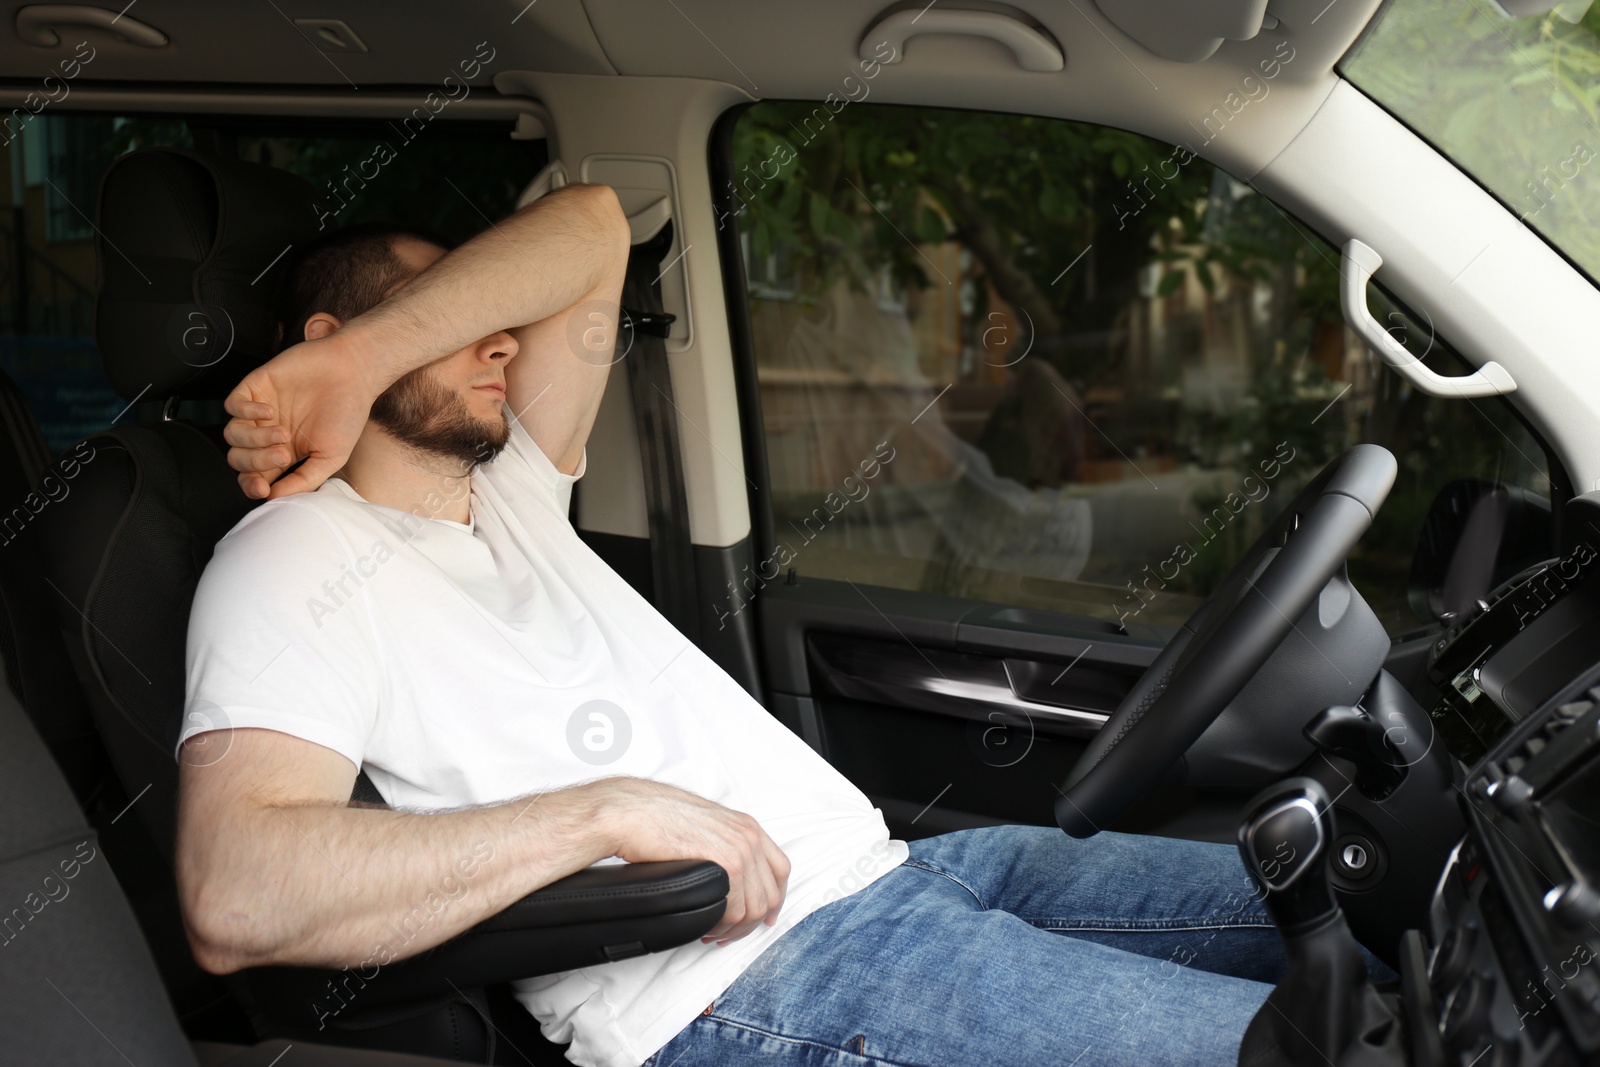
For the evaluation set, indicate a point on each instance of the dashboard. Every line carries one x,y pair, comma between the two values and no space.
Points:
1508,972
1507,656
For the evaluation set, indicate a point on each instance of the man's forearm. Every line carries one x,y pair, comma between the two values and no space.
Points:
544,259
359,887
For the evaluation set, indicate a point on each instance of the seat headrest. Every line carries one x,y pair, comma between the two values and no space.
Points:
188,253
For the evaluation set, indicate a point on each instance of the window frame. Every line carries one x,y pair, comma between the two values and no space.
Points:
737,292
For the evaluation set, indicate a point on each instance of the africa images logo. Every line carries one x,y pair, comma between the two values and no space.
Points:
599,732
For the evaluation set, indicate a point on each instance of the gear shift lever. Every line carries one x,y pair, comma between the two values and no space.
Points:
1284,843
1325,1010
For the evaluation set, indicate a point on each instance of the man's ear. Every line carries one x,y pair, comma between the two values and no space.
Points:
321,325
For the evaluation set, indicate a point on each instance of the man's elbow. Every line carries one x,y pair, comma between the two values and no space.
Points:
220,934
609,217
209,944
211,959
611,208
599,208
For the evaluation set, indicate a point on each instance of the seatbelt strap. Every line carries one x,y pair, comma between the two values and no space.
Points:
365,790
642,336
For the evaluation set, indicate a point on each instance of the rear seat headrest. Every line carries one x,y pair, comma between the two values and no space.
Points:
189,249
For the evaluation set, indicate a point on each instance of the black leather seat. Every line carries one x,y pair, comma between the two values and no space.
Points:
35,659
188,247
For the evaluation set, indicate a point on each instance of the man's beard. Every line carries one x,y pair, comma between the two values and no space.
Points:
416,410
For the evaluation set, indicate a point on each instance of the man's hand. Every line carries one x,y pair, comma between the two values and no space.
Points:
658,821
309,402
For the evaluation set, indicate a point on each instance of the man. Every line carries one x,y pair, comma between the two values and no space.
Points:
413,601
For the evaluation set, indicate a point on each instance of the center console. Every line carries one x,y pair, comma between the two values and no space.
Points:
1506,970
1510,653
1510,974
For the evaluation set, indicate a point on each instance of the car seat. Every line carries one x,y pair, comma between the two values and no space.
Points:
187,248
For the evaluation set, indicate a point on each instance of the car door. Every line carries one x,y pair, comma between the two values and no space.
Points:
1016,393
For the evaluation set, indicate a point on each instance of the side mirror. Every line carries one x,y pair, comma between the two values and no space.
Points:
1477,534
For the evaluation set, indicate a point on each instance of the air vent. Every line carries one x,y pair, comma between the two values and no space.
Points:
1565,738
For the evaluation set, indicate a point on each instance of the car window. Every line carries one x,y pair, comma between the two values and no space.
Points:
1513,99
448,176
1060,366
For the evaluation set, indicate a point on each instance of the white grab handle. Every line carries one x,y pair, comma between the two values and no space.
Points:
1034,51
1360,263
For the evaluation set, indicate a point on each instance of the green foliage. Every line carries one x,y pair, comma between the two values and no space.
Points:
848,196
1513,101
131,134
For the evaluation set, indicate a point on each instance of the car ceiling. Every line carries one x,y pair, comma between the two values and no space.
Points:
767,49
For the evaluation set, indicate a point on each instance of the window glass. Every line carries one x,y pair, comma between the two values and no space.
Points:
1060,366
450,176
1513,99
75,154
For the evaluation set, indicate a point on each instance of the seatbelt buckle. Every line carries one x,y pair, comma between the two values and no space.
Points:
651,323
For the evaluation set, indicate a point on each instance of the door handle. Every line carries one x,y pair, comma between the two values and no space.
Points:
989,697
957,684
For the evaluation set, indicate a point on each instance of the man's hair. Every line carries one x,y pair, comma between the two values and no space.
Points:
343,275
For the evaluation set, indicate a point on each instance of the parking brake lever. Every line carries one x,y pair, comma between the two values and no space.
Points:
1325,1010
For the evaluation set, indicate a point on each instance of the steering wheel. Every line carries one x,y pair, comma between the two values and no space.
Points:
1226,641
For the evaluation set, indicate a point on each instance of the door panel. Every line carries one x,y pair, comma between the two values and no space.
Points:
946,712
959,684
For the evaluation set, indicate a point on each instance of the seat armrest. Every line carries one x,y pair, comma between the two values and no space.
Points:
597,915
268,1053
614,892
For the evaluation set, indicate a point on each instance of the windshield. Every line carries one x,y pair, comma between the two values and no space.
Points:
1514,100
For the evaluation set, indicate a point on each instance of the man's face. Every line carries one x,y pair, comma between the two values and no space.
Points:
455,406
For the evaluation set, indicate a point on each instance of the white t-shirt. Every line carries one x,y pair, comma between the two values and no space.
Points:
450,661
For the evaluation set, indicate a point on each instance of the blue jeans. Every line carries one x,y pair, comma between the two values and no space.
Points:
1009,945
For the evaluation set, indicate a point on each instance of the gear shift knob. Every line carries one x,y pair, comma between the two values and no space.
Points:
1325,1010
1284,837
